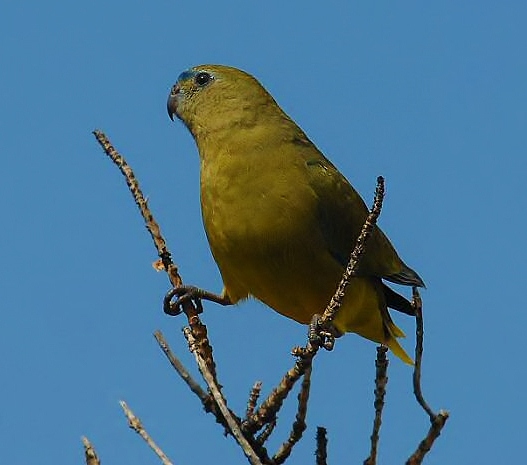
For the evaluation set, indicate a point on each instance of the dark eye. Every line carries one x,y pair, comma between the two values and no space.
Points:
202,78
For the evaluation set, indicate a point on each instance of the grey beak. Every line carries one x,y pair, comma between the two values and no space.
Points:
172,102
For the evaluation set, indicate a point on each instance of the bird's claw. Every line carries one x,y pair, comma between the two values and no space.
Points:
320,335
183,294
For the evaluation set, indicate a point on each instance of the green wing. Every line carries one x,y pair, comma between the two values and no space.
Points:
341,215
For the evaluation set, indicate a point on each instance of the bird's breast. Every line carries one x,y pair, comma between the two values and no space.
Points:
249,206
258,210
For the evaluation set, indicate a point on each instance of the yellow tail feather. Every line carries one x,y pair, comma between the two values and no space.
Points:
394,345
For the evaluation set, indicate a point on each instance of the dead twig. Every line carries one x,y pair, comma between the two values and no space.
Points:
89,452
270,406
208,402
438,420
232,421
204,397
360,246
137,426
321,453
299,425
266,433
253,398
417,303
426,444
381,380
181,370
199,329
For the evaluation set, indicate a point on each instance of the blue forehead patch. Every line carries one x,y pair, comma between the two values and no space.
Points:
186,75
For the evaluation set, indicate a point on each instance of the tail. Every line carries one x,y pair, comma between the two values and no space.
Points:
364,311
393,332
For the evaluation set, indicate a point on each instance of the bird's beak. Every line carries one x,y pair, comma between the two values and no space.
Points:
172,101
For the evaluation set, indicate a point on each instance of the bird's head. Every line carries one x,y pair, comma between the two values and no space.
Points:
209,98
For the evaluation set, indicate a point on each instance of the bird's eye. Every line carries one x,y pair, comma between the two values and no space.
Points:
202,78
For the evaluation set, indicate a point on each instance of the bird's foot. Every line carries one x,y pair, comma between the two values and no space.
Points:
194,294
322,335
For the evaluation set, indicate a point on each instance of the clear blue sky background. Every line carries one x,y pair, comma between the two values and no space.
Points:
433,97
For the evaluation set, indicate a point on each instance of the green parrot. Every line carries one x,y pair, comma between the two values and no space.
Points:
280,219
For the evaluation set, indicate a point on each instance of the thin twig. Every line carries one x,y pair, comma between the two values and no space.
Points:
419,333
253,398
426,444
270,406
151,224
199,329
89,452
437,421
267,431
360,246
206,400
381,367
137,426
299,425
233,423
322,446
181,370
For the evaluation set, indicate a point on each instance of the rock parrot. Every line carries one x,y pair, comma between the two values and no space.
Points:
280,219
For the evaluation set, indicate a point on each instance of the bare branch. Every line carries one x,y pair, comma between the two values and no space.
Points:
89,452
437,421
267,431
181,370
419,333
135,424
322,446
426,444
270,406
299,425
151,225
194,386
233,422
360,246
253,398
381,365
199,330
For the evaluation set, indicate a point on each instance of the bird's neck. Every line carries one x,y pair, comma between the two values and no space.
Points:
244,131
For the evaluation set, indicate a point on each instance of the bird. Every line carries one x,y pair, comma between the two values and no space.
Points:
280,219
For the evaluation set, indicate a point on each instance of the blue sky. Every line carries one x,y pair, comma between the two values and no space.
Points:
433,97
